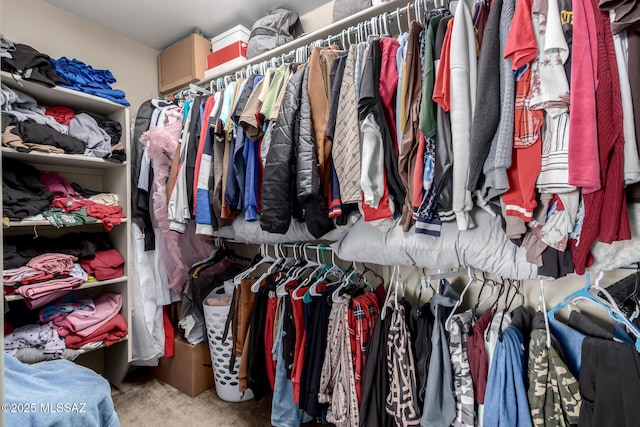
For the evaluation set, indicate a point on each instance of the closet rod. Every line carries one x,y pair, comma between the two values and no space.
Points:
382,14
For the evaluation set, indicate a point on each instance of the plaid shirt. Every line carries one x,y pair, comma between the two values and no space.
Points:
362,316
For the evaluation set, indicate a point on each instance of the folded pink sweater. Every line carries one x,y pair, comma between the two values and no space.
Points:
107,306
52,263
41,289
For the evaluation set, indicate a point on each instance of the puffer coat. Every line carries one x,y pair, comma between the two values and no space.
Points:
291,169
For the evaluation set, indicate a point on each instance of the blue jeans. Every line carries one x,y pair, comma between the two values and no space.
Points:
284,411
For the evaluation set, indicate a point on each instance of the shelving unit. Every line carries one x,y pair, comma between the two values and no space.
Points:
45,223
73,160
87,285
91,173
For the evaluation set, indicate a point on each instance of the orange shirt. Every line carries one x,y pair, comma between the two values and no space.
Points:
442,87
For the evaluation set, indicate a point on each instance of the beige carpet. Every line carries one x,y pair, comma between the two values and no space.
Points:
145,401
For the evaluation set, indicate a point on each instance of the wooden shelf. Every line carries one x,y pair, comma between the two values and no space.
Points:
101,346
54,96
88,285
75,160
45,223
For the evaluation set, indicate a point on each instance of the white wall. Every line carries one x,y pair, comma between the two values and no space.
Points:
57,33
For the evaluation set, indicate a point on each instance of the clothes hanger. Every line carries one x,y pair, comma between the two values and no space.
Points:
612,310
446,275
385,23
472,278
485,282
309,264
316,274
397,13
542,306
408,16
425,284
265,258
507,305
344,281
494,306
393,282
274,262
302,264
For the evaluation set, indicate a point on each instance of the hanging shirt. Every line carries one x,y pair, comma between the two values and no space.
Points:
402,400
346,141
440,404
337,383
477,354
410,135
462,380
554,395
400,61
506,399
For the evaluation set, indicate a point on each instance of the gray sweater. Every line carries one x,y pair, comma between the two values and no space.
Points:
499,159
487,113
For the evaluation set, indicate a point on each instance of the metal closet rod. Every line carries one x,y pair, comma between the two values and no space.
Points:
374,26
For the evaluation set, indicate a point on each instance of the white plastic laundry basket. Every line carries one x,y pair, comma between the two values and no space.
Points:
226,382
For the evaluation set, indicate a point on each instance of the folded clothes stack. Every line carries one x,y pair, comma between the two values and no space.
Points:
23,194
18,250
71,322
103,324
27,126
28,192
85,78
43,270
38,67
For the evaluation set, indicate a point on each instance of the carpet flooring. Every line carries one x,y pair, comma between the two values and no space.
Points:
146,401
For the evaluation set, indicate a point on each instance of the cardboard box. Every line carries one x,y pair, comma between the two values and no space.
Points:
228,46
189,370
182,63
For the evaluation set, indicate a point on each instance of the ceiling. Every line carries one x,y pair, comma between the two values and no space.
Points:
160,23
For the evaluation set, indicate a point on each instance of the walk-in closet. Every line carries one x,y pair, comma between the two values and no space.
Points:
351,213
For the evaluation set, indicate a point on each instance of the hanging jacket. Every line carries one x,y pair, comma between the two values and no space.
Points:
314,204
346,140
444,148
463,72
277,184
487,114
205,221
140,200
197,112
369,103
319,89
410,135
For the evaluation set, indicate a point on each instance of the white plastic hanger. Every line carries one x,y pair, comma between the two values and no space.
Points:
264,259
438,276
472,278
389,291
276,262
397,13
542,306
